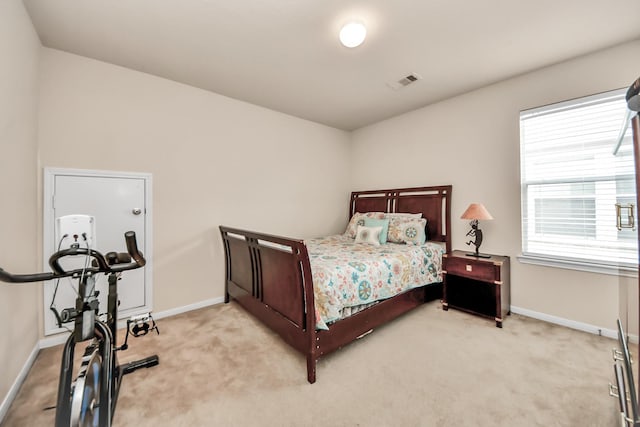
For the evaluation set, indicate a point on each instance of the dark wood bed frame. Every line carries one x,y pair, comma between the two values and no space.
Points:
270,276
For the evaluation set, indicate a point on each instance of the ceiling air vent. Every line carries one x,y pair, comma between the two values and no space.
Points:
405,81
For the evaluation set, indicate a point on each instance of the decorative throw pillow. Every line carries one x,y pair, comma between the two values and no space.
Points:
398,228
358,219
384,223
369,235
413,232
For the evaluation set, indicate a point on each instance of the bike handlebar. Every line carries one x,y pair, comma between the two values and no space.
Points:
22,278
101,264
132,248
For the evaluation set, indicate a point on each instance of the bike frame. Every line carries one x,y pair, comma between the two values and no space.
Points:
102,335
106,339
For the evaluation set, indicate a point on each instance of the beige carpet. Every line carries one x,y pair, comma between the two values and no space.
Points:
220,367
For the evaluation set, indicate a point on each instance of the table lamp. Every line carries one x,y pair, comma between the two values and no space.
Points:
476,212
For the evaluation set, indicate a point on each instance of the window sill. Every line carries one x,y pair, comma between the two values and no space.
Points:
588,266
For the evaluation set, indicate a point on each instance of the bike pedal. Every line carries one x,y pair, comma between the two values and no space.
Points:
141,325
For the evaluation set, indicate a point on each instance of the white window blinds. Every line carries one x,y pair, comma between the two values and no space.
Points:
572,181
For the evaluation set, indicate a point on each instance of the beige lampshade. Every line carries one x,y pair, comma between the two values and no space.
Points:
476,211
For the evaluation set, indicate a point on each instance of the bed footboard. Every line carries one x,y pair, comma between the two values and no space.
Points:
270,276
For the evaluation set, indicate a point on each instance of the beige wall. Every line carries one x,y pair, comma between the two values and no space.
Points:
214,161
472,142
19,49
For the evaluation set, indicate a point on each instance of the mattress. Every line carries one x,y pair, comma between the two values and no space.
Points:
348,276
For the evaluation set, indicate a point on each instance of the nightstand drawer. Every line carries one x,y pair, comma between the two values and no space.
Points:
472,268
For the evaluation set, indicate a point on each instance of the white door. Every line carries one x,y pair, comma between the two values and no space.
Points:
119,203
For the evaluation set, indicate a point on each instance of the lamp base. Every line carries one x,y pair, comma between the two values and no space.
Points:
477,255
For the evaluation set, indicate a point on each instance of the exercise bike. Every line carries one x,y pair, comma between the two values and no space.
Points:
90,399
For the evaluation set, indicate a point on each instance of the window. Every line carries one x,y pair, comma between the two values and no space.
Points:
572,181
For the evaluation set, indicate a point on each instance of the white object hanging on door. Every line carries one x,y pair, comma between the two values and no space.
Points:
75,229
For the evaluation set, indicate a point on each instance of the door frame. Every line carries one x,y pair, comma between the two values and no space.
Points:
48,227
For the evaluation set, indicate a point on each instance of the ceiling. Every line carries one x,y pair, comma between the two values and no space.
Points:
285,54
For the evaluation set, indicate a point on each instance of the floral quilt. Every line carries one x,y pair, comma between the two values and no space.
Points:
348,274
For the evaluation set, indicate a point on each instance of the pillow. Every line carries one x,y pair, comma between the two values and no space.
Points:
412,232
358,219
403,230
402,215
394,235
384,223
369,235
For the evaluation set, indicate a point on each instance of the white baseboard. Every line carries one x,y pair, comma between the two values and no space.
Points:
186,308
15,387
585,327
53,340
58,339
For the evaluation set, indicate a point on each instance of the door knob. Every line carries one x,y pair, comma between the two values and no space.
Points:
136,211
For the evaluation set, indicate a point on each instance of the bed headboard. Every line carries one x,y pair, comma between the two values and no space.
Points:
433,202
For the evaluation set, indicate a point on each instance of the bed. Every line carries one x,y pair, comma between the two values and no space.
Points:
271,276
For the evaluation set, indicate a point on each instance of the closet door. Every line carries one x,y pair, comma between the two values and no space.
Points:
118,202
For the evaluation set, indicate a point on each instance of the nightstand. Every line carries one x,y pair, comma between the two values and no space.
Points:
477,285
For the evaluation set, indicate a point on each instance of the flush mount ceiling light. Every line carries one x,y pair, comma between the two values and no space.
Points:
353,34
